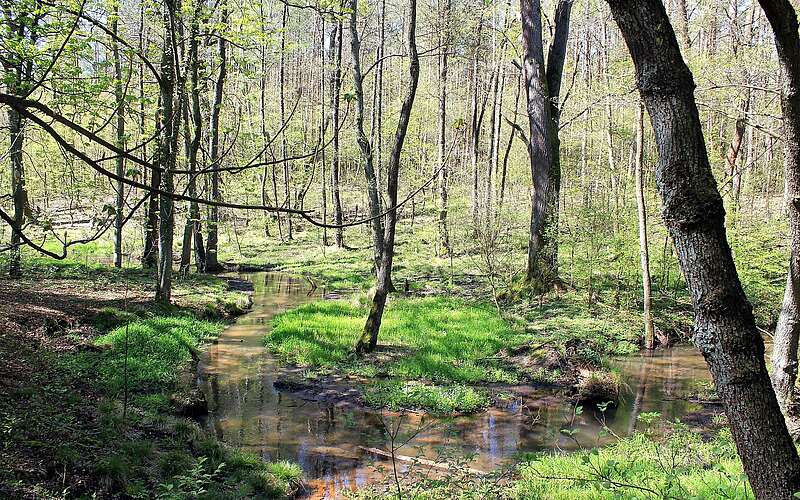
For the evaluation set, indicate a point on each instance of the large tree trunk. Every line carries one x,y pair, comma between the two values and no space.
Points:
168,122
542,86
212,238
641,210
725,330
782,17
193,237
369,336
363,142
119,137
444,40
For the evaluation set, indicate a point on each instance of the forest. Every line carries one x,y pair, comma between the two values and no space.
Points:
428,249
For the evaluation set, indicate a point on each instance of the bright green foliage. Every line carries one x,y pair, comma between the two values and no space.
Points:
441,340
761,261
640,466
438,339
436,399
596,331
156,347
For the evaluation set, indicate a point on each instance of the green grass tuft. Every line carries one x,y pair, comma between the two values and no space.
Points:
445,341
439,400
681,465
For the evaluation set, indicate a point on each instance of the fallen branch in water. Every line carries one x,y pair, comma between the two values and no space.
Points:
421,461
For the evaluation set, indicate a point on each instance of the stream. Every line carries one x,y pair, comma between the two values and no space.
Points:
328,441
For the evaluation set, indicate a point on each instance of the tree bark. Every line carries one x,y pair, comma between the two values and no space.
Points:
444,44
193,238
725,330
336,90
542,87
120,136
212,238
783,19
169,124
369,336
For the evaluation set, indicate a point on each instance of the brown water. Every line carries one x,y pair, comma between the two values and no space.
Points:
327,441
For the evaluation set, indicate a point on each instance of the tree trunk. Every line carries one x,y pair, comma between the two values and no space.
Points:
444,44
475,125
364,144
641,209
18,193
262,88
168,122
782,17
683,24
542,88
193,237
369,336
323,129
212,240
725,330
287,199
335,98
120,137
16,132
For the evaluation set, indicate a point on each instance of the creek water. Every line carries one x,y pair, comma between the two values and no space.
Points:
328,441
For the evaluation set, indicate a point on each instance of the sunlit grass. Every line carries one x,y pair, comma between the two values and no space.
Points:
437,339
681,465
443,342
149,352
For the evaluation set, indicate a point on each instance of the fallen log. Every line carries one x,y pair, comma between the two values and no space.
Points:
421,461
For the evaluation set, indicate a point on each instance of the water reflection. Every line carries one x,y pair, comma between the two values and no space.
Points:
328,441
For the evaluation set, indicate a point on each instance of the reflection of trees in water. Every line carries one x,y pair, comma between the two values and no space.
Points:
641,390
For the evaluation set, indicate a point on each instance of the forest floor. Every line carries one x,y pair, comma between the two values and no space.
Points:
78,416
